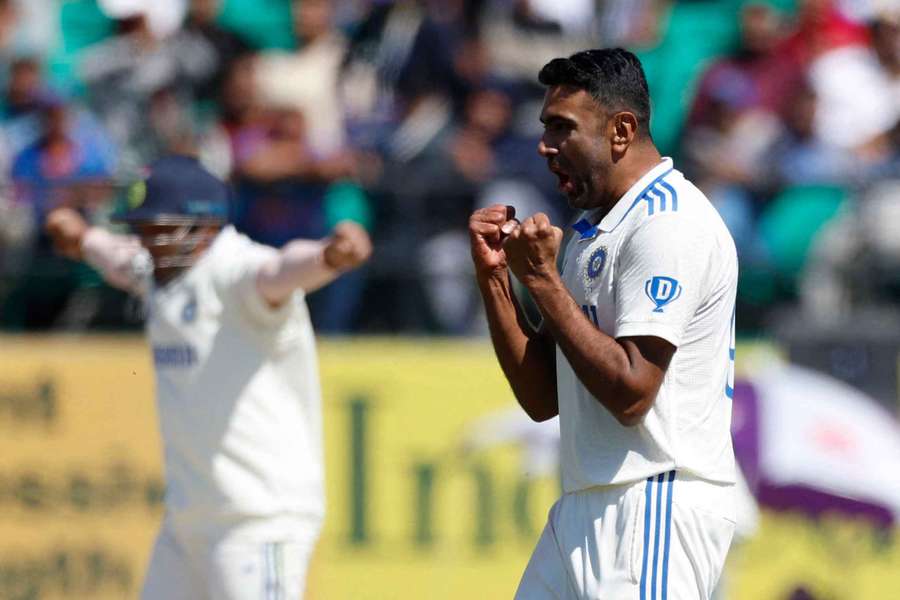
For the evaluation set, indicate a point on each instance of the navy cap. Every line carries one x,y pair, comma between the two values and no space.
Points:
178,189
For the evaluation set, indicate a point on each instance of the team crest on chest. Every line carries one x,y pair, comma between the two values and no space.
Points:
594,265
189,312
596,262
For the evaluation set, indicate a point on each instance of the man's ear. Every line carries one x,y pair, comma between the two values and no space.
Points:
624,125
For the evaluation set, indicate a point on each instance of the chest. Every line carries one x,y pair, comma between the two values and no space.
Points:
182,323
590,273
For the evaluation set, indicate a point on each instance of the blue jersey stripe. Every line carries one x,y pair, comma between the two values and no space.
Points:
659,489
641,197
672,191
665,573
662,198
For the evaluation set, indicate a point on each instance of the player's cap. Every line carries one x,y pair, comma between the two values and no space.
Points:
178,191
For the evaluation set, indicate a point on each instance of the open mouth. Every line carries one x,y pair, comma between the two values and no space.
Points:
565,184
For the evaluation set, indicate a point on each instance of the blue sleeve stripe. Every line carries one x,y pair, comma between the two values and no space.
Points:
672,191
642,196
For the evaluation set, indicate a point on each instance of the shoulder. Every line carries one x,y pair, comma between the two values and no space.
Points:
233,255
674,212
670,201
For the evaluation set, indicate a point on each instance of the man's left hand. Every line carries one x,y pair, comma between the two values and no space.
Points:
532,249
348,247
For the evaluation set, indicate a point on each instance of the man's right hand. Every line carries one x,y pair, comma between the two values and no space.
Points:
488,227
66,228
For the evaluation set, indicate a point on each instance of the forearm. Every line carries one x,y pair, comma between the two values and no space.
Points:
601,363
300,264
114,256
527,359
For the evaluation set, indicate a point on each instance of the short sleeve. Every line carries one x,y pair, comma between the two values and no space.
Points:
661,278
242,264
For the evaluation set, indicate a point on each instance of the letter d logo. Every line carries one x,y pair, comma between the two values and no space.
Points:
662,291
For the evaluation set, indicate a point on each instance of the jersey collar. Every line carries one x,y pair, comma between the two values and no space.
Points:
621,208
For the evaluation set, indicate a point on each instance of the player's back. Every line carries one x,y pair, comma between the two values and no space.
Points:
237,389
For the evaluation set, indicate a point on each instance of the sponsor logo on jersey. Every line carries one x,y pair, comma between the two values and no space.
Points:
662,291
176,356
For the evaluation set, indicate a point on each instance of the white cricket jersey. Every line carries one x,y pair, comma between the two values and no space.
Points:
660,263
237,389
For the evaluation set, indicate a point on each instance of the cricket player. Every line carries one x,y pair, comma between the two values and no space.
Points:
635,351
236,381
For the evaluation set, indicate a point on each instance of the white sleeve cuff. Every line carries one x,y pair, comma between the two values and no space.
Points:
258,308
651,328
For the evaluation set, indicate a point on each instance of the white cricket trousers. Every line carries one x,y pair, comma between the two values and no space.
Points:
251,559
665,538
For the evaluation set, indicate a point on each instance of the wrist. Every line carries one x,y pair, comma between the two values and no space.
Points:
543,282
495,277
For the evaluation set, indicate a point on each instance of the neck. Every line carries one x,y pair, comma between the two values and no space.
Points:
626,171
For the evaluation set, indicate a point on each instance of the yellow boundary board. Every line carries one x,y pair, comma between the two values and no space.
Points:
412,511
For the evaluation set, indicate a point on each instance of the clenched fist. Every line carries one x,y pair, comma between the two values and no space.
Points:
348,247
488,227
66,228
532,249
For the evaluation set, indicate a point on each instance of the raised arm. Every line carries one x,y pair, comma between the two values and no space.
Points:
118,258
311,264
527,357
624,375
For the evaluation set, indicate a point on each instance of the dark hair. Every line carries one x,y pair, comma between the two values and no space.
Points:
612,76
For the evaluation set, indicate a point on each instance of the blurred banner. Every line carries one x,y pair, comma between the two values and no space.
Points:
436,488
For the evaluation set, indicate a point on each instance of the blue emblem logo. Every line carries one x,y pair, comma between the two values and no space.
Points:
662,291
596,262
189,312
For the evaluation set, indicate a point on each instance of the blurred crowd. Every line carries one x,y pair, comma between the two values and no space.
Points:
405,115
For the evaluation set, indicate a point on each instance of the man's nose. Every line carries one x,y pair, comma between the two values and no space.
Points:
545,150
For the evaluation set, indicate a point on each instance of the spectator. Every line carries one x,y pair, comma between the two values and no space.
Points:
202,30
885,32
136,74
69,164
799,156
8,18
284,78
820,27
764,78
521,42
435,170
61,166
29,27
849,81
404,51
631,23
283,187
24,92
726,151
